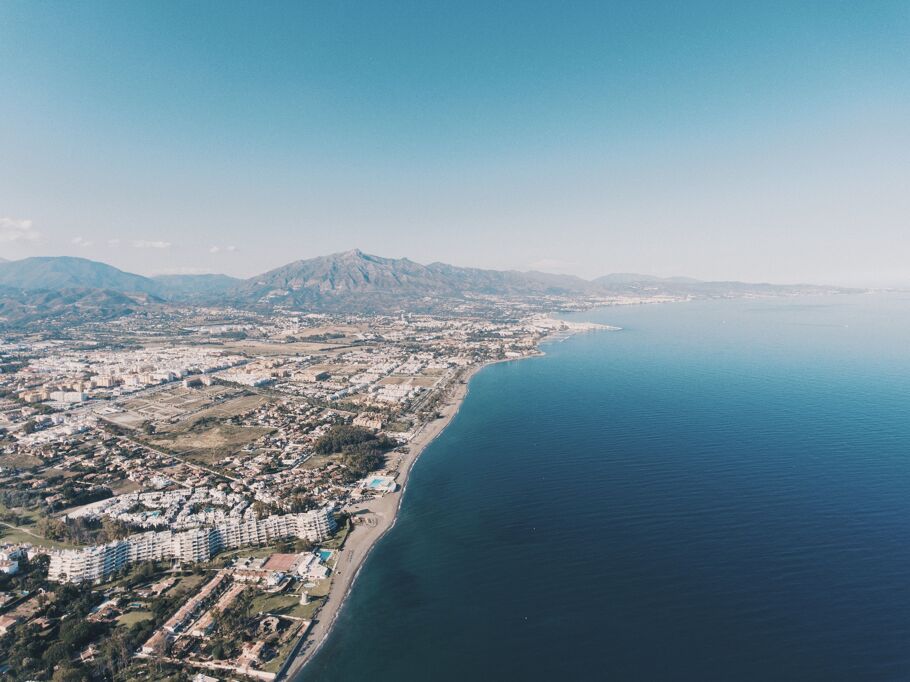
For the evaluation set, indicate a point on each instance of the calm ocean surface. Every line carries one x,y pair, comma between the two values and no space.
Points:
719,492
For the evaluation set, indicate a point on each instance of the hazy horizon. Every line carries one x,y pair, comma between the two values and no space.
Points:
201,272
765,143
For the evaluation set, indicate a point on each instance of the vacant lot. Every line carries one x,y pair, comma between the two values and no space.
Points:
421,380
425,381
134,617
125,486
394,380
232,407
174,405
208,444
18,461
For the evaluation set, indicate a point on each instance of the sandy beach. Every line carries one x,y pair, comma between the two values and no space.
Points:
375,517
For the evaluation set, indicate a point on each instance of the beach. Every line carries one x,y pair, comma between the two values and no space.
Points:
373,519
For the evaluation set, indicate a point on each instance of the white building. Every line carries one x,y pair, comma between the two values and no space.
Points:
98,562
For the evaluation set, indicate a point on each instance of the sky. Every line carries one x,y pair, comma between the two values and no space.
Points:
759,141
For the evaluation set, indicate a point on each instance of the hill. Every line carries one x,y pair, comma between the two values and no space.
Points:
66,272
22,309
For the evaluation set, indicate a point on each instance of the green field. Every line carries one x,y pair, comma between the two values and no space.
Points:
133,617
321,589
285,605
25,529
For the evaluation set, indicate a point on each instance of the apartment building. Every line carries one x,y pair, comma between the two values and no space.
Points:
98,562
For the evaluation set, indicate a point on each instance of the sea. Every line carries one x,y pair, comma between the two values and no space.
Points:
720,491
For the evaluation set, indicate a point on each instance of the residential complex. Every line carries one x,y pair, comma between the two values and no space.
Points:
99,562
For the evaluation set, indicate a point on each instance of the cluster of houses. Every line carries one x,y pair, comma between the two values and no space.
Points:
175,509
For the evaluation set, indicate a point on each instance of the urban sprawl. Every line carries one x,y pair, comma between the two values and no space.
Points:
177,487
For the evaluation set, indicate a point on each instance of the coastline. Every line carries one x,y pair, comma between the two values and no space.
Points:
378,517
379,514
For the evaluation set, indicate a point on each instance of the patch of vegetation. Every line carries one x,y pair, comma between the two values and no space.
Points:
232,627
134,617
83,530
362,451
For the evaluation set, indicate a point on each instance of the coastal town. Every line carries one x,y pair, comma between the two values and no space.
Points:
454,341
191,492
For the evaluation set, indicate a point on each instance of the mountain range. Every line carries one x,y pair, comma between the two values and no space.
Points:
351,280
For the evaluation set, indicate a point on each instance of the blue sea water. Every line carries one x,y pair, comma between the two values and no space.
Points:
721,491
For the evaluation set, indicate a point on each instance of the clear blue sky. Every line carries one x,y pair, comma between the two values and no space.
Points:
760,141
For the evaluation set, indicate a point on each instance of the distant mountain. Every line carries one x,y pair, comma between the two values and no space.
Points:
356,275
351,271
474,280
4,260
65,272
355,280
194,285
67,288
634,278
48,273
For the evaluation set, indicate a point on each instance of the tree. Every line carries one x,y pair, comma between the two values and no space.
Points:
76,633
56,653
341,436
114,655
362,450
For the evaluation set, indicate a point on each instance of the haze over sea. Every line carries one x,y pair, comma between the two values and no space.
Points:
718,492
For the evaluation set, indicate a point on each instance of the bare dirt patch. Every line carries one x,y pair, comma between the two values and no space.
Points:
18,461
210,444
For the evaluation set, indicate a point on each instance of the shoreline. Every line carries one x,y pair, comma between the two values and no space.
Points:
379,516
